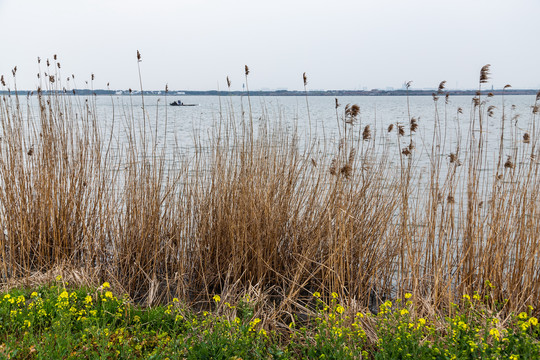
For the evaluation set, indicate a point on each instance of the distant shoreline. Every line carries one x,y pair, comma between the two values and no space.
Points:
374,92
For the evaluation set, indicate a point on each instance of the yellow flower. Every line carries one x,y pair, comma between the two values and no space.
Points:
340,309
522,315
495,333
513,357
334,295
88,299
465,296
59,277
136,318
175,300
217,298
34,294
106,285
360,315
108,294
317,294
404,312
408,295
462,325
63,295
533,321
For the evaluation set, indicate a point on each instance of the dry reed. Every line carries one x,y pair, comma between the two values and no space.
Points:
258,212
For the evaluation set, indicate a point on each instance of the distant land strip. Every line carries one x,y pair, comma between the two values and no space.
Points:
373,92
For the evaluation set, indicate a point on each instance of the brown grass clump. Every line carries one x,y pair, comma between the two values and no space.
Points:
254,211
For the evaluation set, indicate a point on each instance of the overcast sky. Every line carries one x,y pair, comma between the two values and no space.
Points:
340,44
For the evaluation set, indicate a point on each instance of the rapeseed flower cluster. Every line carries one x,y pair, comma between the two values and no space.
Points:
96,322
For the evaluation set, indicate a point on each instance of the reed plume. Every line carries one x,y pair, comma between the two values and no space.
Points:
485,73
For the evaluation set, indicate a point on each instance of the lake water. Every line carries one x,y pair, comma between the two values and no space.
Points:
176,129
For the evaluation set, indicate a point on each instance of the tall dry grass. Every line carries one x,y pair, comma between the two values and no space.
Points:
257,205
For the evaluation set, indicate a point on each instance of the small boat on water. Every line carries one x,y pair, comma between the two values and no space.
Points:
181,103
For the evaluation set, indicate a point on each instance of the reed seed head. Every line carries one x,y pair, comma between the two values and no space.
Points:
2,80
54,57
355,110
414,124
447,98
401,130
337,103
408,84
485,73
442,84
390,127
490,110
313,162
166,88
246,70
526,138
450,199
14,71
538,95
346,170
333,167
305,79
507,86
139,56
509,164
490,94
406,151
351,113
366,134
228,82
352,155
535,109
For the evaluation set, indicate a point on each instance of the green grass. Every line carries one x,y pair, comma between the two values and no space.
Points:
58,322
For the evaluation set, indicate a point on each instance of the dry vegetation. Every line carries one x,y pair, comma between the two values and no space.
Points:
255,209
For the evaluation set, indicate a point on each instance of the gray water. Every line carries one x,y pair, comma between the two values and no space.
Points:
175,130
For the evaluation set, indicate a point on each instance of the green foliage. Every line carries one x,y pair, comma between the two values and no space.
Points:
54,322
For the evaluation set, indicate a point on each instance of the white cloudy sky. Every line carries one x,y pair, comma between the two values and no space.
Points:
341,44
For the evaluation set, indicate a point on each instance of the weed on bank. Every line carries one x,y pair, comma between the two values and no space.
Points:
59,322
